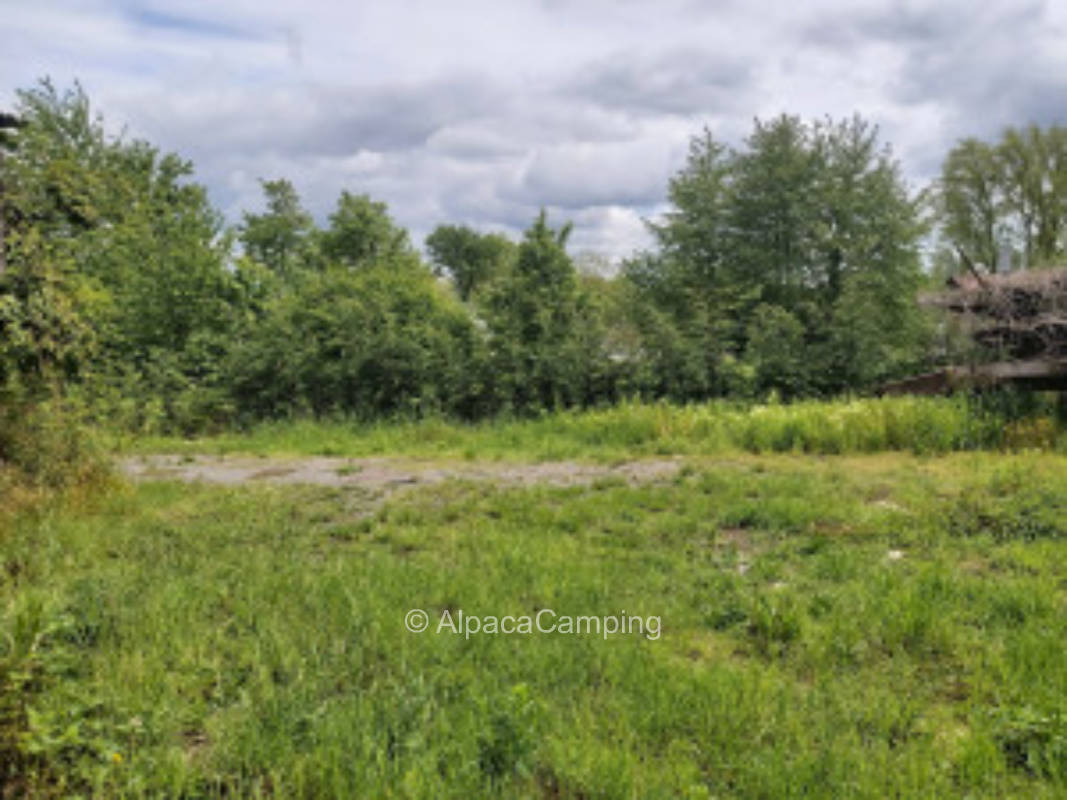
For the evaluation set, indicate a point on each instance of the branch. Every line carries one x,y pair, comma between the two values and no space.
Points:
966,259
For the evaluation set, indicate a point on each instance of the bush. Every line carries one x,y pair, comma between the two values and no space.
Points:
46,444
376,341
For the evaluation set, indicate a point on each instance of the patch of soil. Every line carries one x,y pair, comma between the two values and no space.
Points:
385,474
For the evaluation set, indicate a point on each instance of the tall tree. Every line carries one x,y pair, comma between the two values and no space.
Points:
803,220
1033,170
362,231
140,245
472,259
279,237
689,298
543,335
695,230
1010,195
972,201
771,215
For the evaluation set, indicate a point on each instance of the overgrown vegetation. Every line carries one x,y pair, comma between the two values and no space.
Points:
788,266
913,424
862,625
122,280
872,626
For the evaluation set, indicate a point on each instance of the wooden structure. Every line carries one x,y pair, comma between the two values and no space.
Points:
1018,320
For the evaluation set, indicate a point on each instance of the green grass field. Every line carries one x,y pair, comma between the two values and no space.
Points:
867,625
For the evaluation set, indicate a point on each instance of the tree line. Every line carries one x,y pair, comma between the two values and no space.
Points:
788,265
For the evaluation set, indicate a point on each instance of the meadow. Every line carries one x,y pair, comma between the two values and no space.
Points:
857,599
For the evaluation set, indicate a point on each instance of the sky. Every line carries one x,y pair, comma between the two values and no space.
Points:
481,112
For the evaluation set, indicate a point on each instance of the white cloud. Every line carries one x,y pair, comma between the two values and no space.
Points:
483,112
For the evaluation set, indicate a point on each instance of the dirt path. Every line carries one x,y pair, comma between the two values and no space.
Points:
383,474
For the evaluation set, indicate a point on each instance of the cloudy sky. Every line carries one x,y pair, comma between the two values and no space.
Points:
483,111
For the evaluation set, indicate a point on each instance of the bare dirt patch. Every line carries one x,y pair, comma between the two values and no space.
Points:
384,474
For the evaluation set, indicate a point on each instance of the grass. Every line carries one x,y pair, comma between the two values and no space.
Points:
913,424
885,625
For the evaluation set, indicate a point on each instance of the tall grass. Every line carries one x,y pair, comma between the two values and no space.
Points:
913,424
48,455
196,641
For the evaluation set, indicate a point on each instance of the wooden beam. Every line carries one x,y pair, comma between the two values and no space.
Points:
1038,373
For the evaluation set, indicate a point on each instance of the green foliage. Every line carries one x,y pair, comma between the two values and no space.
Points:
380,340
48,443
279,238
776,350
44,337
971,201
470,258
361,232
113,242
61,748
632,429
695,232
807,233
545,345
1008,196
787,268
1034,170
45,344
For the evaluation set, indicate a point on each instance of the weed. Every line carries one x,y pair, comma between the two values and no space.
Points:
197,641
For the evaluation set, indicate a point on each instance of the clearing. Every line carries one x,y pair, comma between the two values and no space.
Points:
868,626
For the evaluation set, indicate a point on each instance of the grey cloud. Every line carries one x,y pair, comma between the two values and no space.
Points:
952,68
394,118
473,142
582,175
994,70
582,107
486,202
897,22
317,120
979,58
684,81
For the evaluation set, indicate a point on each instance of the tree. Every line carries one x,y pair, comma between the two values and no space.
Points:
9,123
1034,173
972,201
544,338
772,213
1008,196
379,340
278,238
776,351
805,218
44,337
362,231
688,298
867,238
472,259
695,231
138,241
